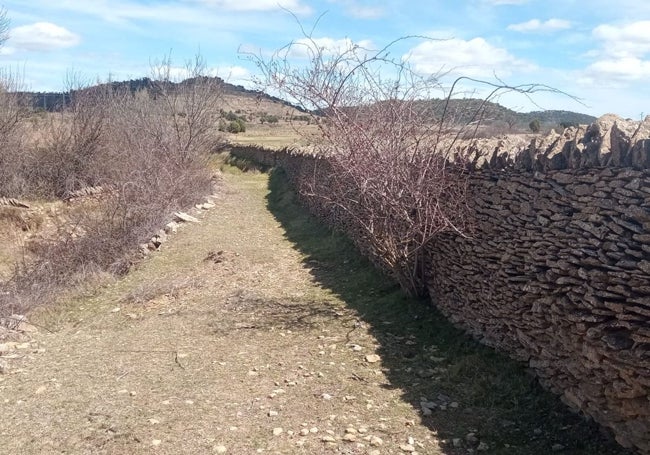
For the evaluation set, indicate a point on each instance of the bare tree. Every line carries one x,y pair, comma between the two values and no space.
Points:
392,170
5,24
190,100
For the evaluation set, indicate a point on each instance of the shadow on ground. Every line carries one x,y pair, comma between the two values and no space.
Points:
467,388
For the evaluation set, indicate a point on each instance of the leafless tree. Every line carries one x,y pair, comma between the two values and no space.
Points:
393,170
5,24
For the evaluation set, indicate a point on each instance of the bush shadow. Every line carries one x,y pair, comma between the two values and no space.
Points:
475,399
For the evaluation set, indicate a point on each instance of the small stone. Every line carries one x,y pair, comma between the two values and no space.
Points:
483,447
277,431
313,430
356,347
326,396
350,437
304,432
351,430
407,448
372,358
557,447
453,404
154,421
272,413
457,442
376,441
328,438
471,438
537,431
116,310
363,430
156,442
184,217
220,449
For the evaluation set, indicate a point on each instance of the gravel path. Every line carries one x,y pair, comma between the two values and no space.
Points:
222,342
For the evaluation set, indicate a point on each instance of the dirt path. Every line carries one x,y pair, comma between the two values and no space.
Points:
221,343
257,331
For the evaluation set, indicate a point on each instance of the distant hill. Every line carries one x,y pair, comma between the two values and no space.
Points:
458,110
54,101
492,114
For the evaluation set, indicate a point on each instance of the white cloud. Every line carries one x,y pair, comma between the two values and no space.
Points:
535,25
42,36
295,6
359,11
475,58
632,39
237,75
617,70
365,12
622,56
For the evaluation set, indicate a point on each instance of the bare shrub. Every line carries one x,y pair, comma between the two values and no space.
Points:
148,152
64,157
13,111
393,173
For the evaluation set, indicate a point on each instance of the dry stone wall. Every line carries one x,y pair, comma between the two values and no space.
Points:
557,270
557,274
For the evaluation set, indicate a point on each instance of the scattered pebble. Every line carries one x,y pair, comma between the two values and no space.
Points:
372,358
376,441
471,438
328,438
277,431
220,449
483,447
557,447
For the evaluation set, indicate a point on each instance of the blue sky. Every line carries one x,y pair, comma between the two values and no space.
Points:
597,50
